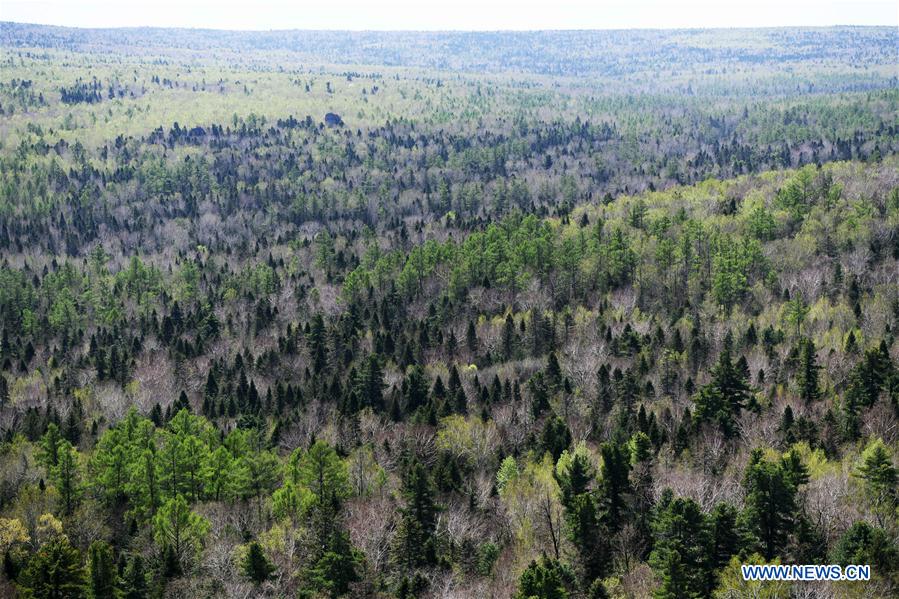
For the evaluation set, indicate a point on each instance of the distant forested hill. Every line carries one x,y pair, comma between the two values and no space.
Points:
622,53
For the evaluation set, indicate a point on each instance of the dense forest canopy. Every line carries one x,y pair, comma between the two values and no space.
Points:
549,314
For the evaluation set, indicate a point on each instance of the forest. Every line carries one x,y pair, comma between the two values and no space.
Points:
552,315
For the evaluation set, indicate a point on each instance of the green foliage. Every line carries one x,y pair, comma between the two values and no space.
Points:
771,500
543,580
415,543
255,565
556,437
866,544
680,554
721,401
594,244
179,534
134,579
54,572
103,576
879,477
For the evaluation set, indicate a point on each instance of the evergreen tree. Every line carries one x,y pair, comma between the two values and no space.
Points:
471,338
48,452
370,386
771,508
721,401
337,567
508,338
582,522
54,572
543,580
675,581
256,566
879,477
103,577
726,534
66,476
316,341
556,437
179,533
415,388
681,553
807,376
866,544
257,474
134,579
415,543
614,486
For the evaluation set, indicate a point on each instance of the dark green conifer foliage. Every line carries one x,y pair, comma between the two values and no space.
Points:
103,577
54,572
256,565
542,580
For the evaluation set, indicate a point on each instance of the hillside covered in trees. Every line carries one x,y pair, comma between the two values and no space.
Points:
553,314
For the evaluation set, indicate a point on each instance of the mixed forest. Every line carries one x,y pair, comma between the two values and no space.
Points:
553,315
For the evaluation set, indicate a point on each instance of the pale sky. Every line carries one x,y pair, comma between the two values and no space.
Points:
449,14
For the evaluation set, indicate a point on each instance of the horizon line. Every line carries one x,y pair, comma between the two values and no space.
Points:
451,30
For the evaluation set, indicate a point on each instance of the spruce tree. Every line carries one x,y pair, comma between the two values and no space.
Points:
681,553
134,579
256,566
807,375
103,577
54,572
415,542
544,580
879,477
771,508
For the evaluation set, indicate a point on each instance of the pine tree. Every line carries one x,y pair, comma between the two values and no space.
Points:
556,437
642,488
786,426
726,535
771,507
256,566
257,474
66,476
134,579
879,477
866,544
582,522
337,567
179,533
210,394
682,539
807,376
553,371
370,386
471,338
54,572
539,394
721,401
415,388
316,340
324,474
48,452
675,582
415,542
508,338
614,486
542,580
103,578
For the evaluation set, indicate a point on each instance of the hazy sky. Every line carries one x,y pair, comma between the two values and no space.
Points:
450,14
